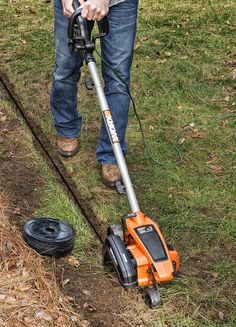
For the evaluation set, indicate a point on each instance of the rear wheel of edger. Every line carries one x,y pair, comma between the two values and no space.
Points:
116,229
153,298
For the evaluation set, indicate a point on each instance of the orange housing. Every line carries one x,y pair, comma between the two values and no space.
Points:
147,267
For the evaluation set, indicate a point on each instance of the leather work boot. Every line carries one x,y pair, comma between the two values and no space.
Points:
67,147
110,174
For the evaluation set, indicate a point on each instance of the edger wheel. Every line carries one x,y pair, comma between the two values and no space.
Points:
116,229
153,298
49,236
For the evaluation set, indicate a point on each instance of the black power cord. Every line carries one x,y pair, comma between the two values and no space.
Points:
178,135
180,155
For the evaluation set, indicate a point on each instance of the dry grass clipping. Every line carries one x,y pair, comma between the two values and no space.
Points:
29,294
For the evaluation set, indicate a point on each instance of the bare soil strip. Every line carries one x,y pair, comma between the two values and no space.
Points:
29,293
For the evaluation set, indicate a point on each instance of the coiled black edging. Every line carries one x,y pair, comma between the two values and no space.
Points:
49,236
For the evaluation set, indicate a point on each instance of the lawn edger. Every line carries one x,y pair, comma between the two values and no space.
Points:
135,249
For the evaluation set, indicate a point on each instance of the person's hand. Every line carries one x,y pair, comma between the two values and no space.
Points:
91,9
94,9
67,7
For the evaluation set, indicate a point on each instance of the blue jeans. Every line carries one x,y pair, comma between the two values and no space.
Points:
117,49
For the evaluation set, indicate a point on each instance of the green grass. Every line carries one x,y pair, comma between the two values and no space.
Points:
182,75
55,203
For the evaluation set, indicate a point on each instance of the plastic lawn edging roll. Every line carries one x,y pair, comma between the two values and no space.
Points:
49,236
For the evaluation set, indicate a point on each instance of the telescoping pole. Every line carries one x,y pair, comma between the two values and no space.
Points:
113,137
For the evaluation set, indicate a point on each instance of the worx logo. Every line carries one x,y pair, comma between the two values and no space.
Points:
111,127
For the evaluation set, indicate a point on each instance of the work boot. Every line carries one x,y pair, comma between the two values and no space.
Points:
67,147
110,174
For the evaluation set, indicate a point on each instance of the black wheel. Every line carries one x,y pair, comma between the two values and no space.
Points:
153,298
116,229
49,236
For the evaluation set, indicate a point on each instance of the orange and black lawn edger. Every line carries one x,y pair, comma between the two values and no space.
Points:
136,249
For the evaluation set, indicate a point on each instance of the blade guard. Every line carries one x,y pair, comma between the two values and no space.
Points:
121,260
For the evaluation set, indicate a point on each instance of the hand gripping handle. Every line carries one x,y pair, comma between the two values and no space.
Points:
76,18
105,24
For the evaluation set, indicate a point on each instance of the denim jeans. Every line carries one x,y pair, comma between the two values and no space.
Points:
117,49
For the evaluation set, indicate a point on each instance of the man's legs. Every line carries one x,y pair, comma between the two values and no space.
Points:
63,101
117,49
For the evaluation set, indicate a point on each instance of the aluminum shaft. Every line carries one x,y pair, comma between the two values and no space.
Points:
115,145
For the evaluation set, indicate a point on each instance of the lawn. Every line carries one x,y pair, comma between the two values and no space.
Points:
183,83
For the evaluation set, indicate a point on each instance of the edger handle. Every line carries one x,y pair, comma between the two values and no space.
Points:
76,18
82,22
104,21
76,4
72,21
